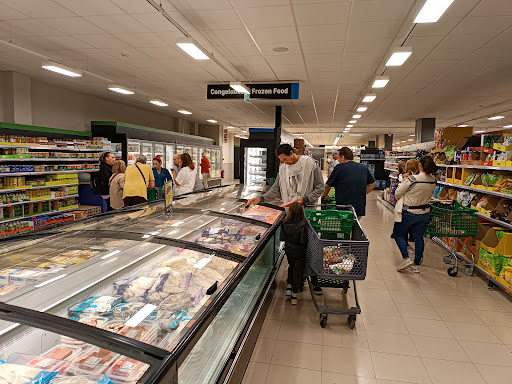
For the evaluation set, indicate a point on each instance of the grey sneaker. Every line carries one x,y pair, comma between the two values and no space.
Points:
414,268
406,263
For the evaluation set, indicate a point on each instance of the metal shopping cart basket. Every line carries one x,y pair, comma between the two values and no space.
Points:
456,221
337,253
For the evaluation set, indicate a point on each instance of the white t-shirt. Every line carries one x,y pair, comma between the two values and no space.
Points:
186,179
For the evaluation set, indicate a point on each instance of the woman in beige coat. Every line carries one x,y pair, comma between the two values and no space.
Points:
116,184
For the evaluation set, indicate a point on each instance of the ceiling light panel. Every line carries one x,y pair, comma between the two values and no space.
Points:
362,108
62,69
159,102
353,121
462,125
369,97
399,56
496,117
356,116
120,89
380,81
191,47
432,11
211,121
184,111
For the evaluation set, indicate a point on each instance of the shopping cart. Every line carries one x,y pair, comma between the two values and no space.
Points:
337,253
453,220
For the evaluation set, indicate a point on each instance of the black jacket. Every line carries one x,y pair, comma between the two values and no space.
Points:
295,237
103,178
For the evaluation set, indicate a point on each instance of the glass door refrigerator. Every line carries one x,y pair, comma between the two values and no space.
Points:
255,167
134,149
147,150
170,151
159,150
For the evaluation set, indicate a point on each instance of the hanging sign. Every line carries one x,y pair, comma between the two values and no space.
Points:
258,91
168,196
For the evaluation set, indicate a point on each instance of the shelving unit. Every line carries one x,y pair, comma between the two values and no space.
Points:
385,203
480,190
24,155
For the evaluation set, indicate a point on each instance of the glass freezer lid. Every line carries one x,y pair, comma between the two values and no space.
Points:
153,301
36,355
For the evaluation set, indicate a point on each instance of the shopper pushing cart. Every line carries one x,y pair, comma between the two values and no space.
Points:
337,253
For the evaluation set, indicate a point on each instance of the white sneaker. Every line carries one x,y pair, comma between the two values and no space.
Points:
406,263
414,268
288,292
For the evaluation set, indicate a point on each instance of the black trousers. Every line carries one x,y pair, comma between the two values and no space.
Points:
296,270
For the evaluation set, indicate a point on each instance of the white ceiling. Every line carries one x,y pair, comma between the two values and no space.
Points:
459,69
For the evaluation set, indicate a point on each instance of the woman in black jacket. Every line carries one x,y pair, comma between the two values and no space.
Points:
100,183
293,233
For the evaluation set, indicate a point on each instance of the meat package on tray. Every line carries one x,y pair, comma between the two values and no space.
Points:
93,321
126,370
56,359
95,379
146,331
92,361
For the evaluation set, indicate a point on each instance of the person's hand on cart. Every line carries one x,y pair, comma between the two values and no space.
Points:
299,200
326,197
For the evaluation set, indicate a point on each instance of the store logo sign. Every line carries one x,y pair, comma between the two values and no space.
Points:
258,91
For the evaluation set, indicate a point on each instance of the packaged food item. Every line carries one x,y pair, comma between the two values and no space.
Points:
6,274
126,369
94,360
55,359
173,303
126,310
60,379
96,305
146,331
20,374
134,288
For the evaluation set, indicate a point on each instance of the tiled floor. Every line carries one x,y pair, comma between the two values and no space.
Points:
426,328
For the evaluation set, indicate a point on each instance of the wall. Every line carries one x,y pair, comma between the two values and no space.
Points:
57,107
228,158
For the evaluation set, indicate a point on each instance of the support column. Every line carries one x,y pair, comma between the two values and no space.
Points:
388,142
425,130
16,97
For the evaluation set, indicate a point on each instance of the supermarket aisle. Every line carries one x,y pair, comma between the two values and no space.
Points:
425,328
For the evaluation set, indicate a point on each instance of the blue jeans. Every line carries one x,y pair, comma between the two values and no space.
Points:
418,223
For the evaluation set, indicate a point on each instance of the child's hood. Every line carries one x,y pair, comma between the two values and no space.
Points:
292,228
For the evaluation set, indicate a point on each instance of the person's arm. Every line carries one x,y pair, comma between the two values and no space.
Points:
318,187
327,188
178,180
273,193
281,235
151,179
371,187
329,183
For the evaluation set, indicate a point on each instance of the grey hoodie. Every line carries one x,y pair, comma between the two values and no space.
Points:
295,237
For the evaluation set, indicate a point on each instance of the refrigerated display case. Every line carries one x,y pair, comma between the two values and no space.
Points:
159,150
138,295
147,150
169,154
134,149
255,168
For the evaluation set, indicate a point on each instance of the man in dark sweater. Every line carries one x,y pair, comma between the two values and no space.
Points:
352,182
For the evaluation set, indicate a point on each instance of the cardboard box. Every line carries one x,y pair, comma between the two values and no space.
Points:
499,144
491,244
490,206
468,141
450,174
79,214
452,135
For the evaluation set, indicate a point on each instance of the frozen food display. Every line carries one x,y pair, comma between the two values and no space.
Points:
140,273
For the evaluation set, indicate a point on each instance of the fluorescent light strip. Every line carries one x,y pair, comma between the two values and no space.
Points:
159,102
50,281
211,121
399,56
462,126
369,97
356,116
380,81
62,69
120,89
432,11
479,131
185,112
507,126
336,141
362,108
353,121
190,46
110,254
496,117
349,125
239,87
140,315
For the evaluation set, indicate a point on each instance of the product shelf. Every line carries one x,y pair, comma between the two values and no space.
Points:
400,157
39,214
483,167
493,193
385,203
37,201
390,169
496,221
23,189
46,172
54,148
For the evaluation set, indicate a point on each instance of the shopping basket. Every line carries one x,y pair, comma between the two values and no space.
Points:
333,263
331,224
456,221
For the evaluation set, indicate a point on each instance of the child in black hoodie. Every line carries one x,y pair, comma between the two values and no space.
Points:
293,233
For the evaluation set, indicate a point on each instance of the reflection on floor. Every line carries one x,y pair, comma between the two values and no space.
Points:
421,328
